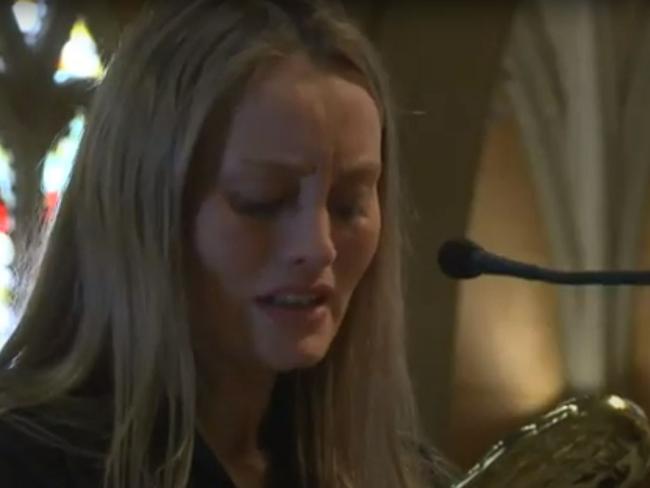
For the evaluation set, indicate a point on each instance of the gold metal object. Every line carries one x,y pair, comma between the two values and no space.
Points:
585,442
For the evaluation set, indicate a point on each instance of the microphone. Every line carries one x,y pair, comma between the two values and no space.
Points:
463,259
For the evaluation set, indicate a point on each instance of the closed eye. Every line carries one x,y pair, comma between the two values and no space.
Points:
348,211
351,203
261,209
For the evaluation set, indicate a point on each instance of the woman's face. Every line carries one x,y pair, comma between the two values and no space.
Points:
292,222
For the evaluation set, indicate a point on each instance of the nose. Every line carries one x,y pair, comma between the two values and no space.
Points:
309,243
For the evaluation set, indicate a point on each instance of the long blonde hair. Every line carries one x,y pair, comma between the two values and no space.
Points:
106,316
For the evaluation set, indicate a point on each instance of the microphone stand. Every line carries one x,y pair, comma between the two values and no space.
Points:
586,442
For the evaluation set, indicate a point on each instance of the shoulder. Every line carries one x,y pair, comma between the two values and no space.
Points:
29,462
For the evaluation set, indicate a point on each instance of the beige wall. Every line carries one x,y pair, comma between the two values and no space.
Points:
640,356
640,334
507,360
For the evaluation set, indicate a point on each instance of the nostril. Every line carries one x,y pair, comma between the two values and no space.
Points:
310,242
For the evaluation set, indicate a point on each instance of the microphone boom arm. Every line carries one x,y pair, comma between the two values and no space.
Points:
463,259
501,266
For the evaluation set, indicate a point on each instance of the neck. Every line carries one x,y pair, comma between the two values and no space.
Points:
230,411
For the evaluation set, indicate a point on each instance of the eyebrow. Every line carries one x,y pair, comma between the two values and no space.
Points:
356,170
287,165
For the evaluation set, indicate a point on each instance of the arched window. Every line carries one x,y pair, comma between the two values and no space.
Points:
49,60
7,252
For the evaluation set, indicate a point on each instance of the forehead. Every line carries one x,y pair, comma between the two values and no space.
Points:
296,110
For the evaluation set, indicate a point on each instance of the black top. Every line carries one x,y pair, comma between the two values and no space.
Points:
28,463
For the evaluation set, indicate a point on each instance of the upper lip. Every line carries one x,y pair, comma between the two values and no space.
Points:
321,290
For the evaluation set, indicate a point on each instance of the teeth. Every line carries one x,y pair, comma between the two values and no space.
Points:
294,300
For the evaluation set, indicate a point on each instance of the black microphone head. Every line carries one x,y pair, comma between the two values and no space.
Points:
457,259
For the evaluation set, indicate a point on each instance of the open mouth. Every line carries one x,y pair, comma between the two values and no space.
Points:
291,300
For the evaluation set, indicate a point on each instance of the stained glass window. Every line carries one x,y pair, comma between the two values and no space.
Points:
56,171
79,57
30,16
58,164
7,201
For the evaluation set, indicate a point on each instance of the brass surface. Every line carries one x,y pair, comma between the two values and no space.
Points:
585,442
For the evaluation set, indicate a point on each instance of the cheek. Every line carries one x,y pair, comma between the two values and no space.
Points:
356,249
226,246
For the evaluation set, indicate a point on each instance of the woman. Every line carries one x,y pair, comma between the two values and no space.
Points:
217,303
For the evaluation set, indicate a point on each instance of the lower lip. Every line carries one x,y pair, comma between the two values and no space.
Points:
294,317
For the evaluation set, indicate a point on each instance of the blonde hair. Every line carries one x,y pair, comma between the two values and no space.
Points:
107,318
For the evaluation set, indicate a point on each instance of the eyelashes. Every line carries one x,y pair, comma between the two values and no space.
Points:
260,209
349,212
271,208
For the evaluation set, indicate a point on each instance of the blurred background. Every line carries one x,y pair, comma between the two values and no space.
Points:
525,125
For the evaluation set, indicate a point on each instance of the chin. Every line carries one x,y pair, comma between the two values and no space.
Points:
285,350
297,358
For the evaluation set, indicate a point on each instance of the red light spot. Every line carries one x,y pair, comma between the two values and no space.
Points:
51,202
